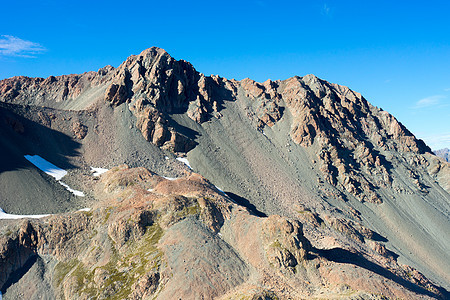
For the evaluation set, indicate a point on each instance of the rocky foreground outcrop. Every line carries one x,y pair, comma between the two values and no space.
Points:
149,237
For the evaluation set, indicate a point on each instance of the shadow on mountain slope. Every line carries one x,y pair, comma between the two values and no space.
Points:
20,136
19,273
190,133
244,202
340,255
378,237
23,188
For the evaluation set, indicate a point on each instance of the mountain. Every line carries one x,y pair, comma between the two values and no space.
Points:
444,153
321,193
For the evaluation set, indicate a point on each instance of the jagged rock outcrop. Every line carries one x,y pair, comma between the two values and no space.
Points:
286,245
348,133
54,89
149,237
154,85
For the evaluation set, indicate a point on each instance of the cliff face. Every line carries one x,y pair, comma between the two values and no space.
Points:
52,90
348,133
344,185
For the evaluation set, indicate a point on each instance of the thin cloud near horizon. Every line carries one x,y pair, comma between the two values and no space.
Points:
428,101
437,141
16,47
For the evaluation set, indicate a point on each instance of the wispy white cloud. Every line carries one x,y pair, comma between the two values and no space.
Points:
260,3
437,141
447,90
14,46
428,101
326,10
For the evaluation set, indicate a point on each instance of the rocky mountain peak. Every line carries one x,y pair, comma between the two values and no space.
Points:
348,133
304,165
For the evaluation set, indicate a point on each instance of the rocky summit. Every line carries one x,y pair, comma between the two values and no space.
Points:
175,185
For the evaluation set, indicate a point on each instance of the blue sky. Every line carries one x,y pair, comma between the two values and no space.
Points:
396,53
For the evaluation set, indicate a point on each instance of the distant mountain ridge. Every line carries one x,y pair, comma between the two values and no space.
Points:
444,153
328,188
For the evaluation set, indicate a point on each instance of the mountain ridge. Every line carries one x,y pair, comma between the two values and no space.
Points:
302,148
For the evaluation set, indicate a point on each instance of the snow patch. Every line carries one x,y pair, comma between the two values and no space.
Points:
54,171
166,157
223,193
219,189
46,166
150,190
169,178
98,171
5,216
185,161
75,192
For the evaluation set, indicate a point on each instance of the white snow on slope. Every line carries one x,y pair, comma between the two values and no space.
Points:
219,189
5,216
223,193
83,209
98,171
169,178
75,192
53,171
46,166
185,161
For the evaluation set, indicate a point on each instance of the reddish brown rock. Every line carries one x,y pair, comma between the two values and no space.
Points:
184,240
79,130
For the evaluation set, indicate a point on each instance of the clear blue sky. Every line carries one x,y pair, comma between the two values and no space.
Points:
396,53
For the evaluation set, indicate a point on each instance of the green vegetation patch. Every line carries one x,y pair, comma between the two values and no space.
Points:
63,268
88,213
277,244
121,272
141,257
108,211
194,209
